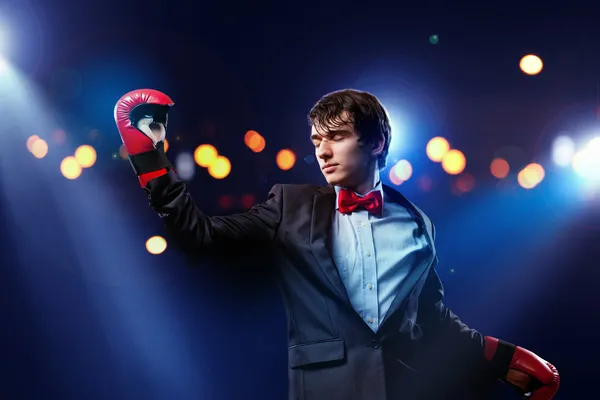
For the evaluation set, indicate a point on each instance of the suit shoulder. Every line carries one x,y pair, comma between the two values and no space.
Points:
298,191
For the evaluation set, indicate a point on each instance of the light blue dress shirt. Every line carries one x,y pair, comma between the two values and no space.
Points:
375,254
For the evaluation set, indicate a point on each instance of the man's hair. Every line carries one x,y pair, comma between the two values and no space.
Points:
365,112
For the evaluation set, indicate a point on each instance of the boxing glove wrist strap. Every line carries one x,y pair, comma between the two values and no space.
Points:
150,161
502,356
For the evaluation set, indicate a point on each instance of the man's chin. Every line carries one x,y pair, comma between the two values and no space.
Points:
333,181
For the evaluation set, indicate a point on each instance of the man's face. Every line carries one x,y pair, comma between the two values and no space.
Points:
342,159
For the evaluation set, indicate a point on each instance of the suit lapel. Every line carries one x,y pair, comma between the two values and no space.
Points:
426,227
320,235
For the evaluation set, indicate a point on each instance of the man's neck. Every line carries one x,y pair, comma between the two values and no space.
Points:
369,183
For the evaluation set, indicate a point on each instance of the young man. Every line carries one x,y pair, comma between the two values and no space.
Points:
355,261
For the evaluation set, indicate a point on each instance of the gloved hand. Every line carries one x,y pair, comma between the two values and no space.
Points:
141,117
517,364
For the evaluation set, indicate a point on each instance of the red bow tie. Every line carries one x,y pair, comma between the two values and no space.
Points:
349,201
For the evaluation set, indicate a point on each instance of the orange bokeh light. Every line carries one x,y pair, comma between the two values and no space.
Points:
254,141
285,159
499,168
465,183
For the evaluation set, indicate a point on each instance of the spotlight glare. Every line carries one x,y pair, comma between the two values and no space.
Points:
563,150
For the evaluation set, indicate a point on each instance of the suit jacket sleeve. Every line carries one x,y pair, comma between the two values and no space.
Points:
458,349
440,323
195,233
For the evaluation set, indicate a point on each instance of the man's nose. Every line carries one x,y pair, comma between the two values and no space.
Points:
324,152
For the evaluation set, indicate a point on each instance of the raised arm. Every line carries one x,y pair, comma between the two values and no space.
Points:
193,230
141,117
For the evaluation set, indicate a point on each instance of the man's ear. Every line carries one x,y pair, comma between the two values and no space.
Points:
378,146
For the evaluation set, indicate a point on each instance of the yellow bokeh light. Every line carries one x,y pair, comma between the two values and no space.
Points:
524,183
85,156
39,148
166,145
220,167
31,140
285,159
531,64
437,148
454,162
70,168
156,245
403,170
533,174
205,155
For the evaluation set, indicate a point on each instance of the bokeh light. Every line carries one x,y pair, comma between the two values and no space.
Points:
59,136
185,166
563,151
531,64
531,176
394,178
166,145
156,245
464,183
285,159
403,170
123,152
499,168
437,148
248,201
39,148
254,141
586,162
454,162
220,167
85,156
70,168
31,140
225,201
425,183
205,155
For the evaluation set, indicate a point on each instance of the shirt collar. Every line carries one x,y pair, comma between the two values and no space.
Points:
378,186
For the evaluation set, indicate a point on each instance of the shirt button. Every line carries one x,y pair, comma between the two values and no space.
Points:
370,286
371,320
368,254
363,224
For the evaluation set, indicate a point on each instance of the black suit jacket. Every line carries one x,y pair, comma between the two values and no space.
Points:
332,353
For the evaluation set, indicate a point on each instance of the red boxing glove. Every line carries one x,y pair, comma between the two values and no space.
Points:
507,356
141,116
